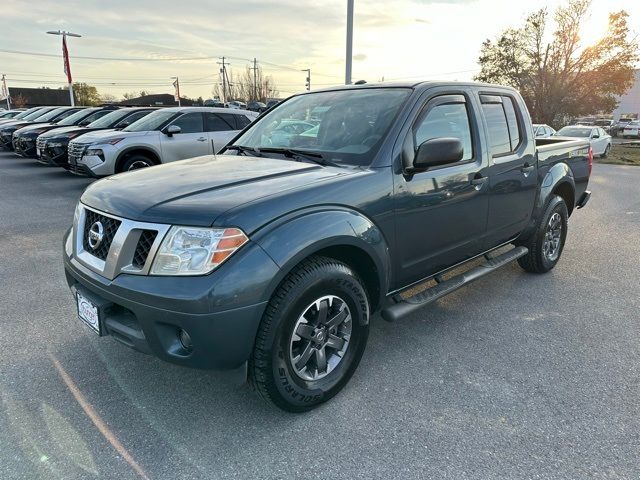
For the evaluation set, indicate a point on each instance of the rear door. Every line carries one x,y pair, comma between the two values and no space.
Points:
192,141
441,213
220,127
513,174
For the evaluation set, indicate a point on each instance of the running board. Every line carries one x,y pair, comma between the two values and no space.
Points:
409,305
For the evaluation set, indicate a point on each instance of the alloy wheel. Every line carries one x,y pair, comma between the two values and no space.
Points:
320,338
553,238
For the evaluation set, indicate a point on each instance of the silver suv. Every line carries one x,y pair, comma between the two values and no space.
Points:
163,136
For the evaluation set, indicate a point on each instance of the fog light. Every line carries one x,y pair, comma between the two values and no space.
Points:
185,340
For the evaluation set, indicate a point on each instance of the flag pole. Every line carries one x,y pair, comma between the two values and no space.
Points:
5,91
67,63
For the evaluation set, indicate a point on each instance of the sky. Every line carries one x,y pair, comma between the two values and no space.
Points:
158,39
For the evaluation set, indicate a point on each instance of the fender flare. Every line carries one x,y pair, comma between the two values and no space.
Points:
558,175
295,237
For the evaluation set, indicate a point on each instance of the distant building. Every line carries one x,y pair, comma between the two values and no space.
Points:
630,102
39,97
159,100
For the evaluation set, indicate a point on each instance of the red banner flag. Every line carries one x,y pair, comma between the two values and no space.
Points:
65,55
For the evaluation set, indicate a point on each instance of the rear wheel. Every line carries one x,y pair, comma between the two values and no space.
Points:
135,162
312,335
546,244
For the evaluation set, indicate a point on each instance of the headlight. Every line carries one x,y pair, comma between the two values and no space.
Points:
196,251
55,144
94,151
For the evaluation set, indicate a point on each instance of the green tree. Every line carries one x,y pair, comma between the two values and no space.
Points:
561,77
86,94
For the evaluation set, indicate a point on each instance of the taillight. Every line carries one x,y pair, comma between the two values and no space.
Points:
590,160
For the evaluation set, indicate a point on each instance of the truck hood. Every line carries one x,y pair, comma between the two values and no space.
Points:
198,190
102,136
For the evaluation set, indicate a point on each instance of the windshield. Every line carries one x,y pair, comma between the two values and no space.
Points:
27,113
52,114
110,119
34,115
346,126
575,132
75,117
153,121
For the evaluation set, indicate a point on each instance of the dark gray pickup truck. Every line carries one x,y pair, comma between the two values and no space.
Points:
332,206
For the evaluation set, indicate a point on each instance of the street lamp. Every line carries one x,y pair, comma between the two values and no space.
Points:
65,55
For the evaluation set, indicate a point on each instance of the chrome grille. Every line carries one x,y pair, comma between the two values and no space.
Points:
109,228
126,247
75,152
40,143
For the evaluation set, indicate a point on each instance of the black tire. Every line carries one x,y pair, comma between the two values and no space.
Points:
271,367
538,260
606,151
135,162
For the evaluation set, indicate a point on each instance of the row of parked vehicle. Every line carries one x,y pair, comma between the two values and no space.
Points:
101,141
599,139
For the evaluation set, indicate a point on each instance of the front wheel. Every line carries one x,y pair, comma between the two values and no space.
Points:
546,244
136,162
312,335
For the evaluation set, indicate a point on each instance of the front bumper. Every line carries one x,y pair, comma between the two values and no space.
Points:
5,140
25,146
146,313
54,156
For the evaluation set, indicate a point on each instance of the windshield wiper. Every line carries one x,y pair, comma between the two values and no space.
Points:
301,154
244,150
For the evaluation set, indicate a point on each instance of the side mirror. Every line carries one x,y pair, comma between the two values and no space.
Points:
438,151
172,130
595,135
83,123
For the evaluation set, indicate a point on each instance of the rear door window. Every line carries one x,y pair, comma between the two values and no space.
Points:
502,123
218,123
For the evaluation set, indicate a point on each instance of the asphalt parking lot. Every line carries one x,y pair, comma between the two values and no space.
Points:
516,376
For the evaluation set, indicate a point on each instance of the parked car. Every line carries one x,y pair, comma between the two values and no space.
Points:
275,258
282,133
31,112
272,103
605,124
8,114
24,140
256,107
599,139
213,103
632,130
163,136
45,115
236,104
51,147
542,131
618,127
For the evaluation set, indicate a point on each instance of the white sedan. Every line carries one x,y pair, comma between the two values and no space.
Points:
542,131
632,130
599,139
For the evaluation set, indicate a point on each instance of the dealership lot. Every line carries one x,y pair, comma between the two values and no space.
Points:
515,376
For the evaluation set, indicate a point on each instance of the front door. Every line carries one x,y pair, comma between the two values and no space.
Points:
192,141
441,213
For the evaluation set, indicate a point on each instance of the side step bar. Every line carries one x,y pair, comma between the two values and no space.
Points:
409,305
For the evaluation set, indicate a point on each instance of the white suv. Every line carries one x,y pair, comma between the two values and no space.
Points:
162,136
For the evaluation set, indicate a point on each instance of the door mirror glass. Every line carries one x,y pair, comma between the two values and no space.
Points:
438,151
595,135
172,130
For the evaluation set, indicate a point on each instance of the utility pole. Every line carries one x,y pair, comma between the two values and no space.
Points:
308,79
255,79
349,54
65,55
5,91
223,72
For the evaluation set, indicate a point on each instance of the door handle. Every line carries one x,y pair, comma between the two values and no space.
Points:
201,139
527,169
478,181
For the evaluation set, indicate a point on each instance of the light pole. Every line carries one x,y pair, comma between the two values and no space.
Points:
65,55
349,54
